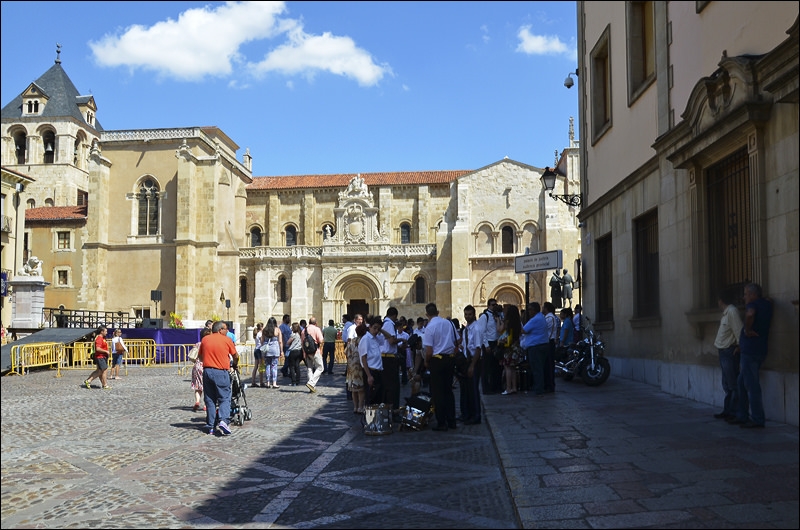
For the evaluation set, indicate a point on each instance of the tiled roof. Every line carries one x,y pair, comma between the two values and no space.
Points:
63,102
56,213
341,180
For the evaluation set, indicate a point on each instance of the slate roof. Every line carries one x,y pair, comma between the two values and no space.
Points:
56,213
341,180
63,98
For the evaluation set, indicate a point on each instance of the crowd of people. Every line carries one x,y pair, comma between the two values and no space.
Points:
497,351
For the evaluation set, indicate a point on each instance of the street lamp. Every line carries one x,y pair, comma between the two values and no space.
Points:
549,182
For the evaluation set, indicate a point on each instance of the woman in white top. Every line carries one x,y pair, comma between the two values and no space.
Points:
258,355
118,350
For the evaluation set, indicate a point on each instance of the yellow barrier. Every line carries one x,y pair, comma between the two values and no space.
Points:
78,356
28,356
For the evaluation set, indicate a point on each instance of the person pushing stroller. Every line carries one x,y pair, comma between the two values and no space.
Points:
216,352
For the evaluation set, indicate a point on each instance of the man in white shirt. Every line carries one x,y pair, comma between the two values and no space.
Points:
727,344
472,346
440,342
369,350
391,366
491,376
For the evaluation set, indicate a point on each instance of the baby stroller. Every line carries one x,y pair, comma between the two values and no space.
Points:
240,412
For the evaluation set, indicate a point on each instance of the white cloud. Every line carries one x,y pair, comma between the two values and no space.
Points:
485,34
307,55
207,42
203,41
540,44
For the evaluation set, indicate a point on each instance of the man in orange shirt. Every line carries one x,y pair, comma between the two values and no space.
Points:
216,353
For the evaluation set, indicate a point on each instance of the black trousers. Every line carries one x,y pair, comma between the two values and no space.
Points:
444,401
328,355
391,380
492,377
374,393
550,368
469,394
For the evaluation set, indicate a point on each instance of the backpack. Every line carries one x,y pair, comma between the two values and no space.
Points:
309,344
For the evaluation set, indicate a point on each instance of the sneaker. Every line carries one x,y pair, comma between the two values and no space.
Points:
223,428
209,430
106,387
311,388
87,384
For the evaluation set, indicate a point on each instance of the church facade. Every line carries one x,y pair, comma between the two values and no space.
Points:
116,216
334,244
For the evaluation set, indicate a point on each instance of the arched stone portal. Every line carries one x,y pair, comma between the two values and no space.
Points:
354,292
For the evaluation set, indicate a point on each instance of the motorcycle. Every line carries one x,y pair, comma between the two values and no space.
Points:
584,359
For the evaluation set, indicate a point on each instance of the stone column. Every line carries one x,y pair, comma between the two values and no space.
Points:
28,301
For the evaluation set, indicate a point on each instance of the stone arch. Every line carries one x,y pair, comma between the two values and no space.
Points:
357,285
509,293
484,239
530,236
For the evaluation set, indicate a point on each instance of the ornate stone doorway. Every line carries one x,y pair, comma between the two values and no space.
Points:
356,306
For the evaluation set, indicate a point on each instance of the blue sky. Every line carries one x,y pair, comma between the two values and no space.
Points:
318,87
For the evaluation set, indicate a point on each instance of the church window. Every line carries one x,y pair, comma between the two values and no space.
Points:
508,240
49,202
31,203
242,290
405,233
83,198
149,207
282,290
291,236
420,288
255,237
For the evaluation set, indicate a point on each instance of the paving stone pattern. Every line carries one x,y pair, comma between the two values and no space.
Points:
623,455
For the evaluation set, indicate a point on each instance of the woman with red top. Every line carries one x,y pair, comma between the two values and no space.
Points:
100,359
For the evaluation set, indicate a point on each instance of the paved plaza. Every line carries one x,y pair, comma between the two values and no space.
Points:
623,455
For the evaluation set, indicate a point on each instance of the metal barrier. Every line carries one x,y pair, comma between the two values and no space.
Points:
28,356
78,356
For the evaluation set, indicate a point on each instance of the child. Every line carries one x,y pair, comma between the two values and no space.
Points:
197,375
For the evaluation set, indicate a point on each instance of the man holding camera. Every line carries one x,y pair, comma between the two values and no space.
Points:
491,377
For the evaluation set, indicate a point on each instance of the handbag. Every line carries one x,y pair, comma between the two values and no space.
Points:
118,347
192,355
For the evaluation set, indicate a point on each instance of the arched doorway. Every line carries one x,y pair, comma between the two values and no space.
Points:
358,294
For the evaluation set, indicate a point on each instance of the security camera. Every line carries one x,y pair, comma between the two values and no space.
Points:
568,82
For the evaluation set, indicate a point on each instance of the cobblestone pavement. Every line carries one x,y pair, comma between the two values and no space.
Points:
623,455
135,457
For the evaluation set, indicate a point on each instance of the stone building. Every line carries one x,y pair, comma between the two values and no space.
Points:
116,215
333,244
690,168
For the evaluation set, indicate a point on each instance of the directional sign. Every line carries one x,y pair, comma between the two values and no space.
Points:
539,261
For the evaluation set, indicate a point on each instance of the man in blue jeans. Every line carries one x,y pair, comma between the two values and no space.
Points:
727,344
216,352
753,348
